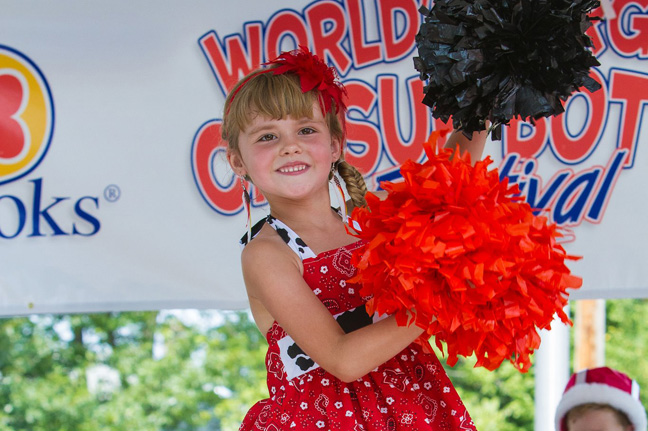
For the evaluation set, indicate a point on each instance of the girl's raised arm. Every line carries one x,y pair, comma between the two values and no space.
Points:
474,146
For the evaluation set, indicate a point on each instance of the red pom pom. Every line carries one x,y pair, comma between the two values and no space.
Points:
455,244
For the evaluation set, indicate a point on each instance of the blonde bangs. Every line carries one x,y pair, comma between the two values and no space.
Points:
272,96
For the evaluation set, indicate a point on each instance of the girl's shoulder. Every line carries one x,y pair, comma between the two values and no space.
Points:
264,240
267,248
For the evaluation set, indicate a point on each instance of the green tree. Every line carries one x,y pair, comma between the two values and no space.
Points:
626,340
204,379
176,376
241,344
496,400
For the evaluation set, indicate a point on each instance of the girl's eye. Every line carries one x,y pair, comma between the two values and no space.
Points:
267,137
307,131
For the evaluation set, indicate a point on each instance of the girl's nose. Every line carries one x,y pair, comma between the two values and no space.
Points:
291,147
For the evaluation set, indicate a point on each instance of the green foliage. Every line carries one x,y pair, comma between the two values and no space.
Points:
175,376
47,363
496,400
626,340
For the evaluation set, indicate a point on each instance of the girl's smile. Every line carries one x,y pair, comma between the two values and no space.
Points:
294,168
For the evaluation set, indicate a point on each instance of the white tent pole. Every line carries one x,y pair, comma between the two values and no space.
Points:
551,373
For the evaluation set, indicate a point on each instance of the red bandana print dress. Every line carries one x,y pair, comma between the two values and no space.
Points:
411,391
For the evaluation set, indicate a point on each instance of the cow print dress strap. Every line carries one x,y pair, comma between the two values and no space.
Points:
290,238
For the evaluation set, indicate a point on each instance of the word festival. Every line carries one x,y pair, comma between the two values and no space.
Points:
387,121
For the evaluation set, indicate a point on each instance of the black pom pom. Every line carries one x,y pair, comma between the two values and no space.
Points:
503,59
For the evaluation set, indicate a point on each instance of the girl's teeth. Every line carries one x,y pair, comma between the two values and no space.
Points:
293,169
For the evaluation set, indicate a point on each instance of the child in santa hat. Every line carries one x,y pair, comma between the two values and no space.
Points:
601,399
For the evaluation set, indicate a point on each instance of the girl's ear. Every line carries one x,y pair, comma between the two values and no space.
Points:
236,162
336,148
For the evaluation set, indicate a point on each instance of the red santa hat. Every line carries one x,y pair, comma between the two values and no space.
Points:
602,386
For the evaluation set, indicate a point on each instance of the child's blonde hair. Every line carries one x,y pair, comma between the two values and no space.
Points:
279,96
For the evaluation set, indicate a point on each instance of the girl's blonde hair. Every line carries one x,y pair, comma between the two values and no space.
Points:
278,96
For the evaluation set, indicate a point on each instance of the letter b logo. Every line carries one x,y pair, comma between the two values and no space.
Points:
26,115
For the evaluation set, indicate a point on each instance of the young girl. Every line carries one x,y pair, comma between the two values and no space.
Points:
330,365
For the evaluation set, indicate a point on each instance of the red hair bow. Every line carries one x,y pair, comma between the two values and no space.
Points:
313,74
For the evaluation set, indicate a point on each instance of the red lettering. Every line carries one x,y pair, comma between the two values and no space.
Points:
207,146
629,30
363,137
399,149
393,14
631,89
364,54
237,59
285,23
12,137
524,139
327,24
574,149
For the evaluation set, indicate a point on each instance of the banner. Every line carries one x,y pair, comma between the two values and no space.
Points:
115,193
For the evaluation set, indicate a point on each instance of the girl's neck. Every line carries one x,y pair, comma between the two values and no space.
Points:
304,214
318,225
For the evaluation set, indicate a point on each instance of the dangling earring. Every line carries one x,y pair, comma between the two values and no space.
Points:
340,193
246,203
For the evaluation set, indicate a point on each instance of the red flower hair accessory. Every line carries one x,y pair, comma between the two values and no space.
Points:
456,245
313,74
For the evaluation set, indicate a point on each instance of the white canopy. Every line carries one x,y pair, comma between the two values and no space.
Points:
114,192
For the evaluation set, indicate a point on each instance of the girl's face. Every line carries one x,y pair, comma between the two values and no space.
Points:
289,158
